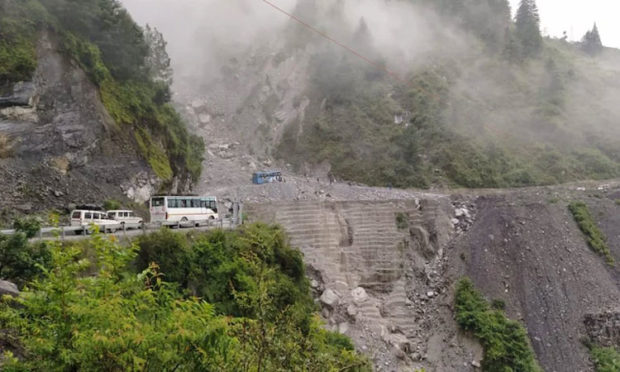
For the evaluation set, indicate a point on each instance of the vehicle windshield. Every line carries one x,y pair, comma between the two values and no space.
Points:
157,202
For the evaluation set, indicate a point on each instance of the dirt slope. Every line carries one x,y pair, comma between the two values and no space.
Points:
529,253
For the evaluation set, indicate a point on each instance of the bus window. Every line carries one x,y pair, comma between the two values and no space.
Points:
195,203
157,202
88,216
76,215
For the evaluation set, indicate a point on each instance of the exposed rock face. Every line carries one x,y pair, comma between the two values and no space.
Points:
22,94
64,146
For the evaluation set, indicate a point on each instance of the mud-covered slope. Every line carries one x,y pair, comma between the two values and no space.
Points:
61,146
384,271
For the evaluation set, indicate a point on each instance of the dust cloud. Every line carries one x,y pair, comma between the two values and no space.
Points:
203,35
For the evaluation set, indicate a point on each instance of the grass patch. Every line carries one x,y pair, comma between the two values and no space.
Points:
505,341
606,359
594,236
402,220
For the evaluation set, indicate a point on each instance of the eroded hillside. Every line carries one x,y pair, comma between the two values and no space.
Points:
385,271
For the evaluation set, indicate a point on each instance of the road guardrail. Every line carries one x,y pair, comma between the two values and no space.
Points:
61,231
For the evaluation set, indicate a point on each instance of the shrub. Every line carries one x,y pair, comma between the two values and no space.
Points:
505,342
171,252
223,266
20,260
594,236
115,319
111,204
402,220
606,359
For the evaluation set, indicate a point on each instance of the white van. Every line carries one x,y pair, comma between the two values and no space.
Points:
83,217
124,216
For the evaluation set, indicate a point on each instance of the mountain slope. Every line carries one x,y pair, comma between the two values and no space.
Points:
83,115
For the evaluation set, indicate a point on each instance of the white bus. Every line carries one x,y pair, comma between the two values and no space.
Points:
183,209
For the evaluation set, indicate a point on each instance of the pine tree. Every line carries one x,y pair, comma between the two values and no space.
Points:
591,42
158,61
528,28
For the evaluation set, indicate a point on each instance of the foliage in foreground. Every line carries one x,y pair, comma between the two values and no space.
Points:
120,319
595,237
21,261
606,359
505,341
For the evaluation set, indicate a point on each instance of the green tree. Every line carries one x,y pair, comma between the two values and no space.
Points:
20,260
158,61
591,42
528,28
115,321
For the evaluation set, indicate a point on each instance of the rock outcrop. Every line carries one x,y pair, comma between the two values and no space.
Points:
64,147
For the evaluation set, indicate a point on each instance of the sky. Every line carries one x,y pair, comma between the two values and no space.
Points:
577,16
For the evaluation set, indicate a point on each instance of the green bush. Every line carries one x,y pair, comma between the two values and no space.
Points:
171,252
505,342
606,359
594,236
222,267
100,315
20,260
402,220
111,204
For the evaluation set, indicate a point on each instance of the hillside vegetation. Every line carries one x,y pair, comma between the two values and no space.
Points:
505,342
496,106
91,309
128,64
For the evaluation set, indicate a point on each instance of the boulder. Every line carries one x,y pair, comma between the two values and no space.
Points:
23,94
359,295
329,298
8,288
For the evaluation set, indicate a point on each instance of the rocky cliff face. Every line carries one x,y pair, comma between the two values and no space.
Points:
58,145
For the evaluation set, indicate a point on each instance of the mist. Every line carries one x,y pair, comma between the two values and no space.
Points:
203,35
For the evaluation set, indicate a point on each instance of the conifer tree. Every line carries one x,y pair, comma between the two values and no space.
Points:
158,61
528,28
591,42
